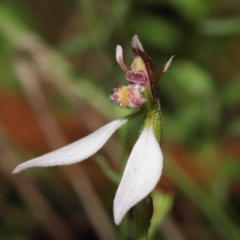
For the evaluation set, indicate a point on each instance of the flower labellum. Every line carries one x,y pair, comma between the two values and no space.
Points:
144,166
128,96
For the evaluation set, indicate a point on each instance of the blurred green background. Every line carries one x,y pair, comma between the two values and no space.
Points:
57,68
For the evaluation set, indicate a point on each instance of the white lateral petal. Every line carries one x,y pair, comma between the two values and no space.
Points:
119,58
76,151
141,174
167,65
119,53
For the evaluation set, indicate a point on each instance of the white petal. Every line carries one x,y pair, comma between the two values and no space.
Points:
76,151
141,174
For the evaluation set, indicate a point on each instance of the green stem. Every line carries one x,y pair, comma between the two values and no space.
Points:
143,212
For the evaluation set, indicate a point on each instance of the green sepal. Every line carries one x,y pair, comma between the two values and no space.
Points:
153,118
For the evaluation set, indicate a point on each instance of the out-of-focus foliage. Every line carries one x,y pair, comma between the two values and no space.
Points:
57,68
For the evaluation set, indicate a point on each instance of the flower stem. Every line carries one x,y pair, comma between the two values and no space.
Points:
143,212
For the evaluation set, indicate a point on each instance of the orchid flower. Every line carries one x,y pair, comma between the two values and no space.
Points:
144,166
